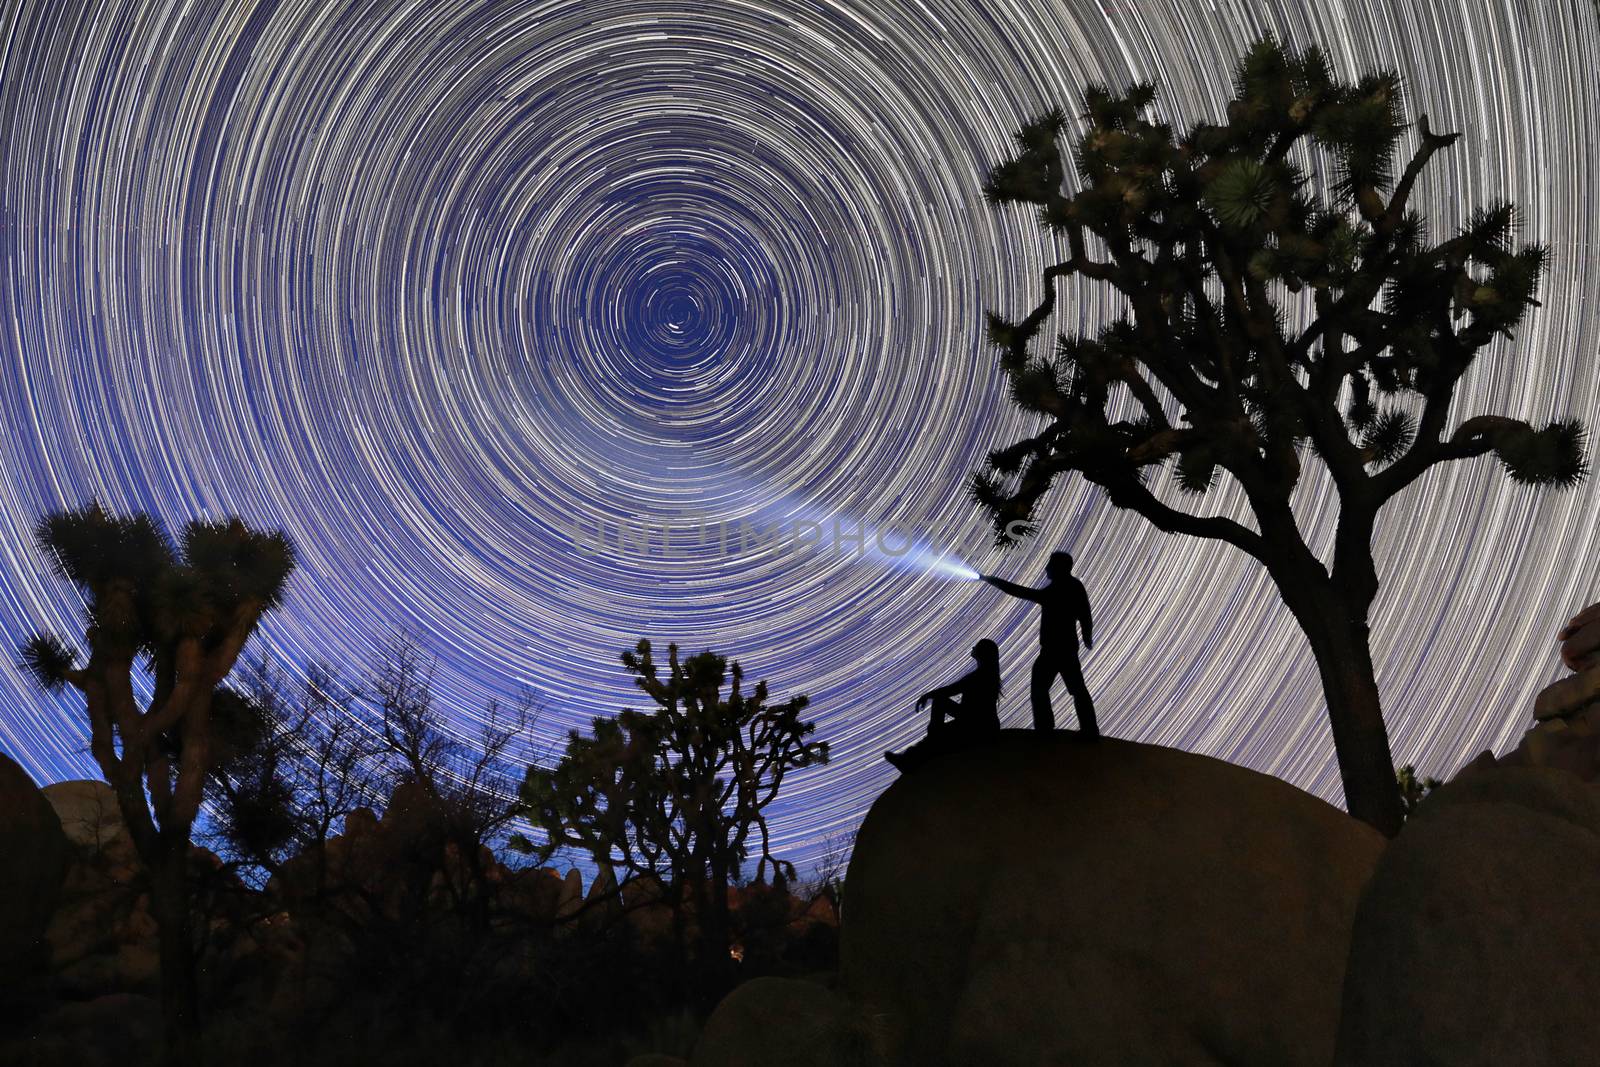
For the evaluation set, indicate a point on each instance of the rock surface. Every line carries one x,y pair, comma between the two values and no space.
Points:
783,1022
1566,730
102,936
108,1031
33,861
1042,901
90,818
1477,940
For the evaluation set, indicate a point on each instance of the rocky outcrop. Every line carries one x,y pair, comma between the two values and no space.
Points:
570,899
603,903
102,936
1566,714
781,1022
107,1031
33,861
1477,940
385,866
531,894
1565,734
1043,901
648,912
92,822
769,923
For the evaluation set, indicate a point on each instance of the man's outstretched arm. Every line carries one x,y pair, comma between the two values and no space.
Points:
1023,591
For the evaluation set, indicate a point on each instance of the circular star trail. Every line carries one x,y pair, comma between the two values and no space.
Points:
436,286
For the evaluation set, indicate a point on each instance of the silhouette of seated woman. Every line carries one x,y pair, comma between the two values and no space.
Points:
971,719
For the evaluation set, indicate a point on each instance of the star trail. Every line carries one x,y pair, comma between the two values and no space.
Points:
427,285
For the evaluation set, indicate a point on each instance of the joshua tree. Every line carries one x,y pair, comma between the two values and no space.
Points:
678,793
1283,300
187,615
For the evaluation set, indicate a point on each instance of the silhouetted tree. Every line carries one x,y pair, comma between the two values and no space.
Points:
405,911
1282,293
294,758
832,864
187,615
678,793
467,789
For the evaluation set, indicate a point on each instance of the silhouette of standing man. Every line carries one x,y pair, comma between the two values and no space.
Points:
1063,606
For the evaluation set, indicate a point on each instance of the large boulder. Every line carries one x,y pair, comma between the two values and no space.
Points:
93,823
1042,901
1477,940
570,900
530,895
108,1031
102,935
33,861
376,862
784,1022
647,910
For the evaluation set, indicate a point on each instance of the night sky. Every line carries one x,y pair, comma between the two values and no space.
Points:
425,283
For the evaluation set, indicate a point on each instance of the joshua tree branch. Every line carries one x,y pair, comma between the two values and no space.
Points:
1431,143
241,624
1126,491
189,789
1474,437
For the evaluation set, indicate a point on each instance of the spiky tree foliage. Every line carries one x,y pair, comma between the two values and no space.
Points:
1414,788
185,613
1284,300
680,792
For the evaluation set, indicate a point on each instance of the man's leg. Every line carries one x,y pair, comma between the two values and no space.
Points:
943,707
1082,703
1044,676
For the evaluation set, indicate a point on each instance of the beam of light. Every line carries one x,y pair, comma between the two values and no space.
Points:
898,547
952,568
923,559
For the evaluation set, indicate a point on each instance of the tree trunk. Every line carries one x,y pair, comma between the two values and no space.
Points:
169,899
680,942
716,928
715,964
1339,639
